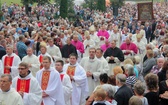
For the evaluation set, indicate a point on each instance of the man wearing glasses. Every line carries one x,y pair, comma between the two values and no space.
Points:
8,95
27,85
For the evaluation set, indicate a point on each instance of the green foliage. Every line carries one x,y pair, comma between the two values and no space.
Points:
43,1
117,3
101,5
26,2
71,12
57,2
92,4
64,8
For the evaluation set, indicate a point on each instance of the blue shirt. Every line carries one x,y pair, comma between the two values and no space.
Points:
136,71
21,48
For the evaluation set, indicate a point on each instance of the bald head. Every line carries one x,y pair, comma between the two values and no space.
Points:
160,62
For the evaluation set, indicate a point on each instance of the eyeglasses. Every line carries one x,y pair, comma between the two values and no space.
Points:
21,68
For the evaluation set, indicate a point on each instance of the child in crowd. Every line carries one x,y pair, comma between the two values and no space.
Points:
99,97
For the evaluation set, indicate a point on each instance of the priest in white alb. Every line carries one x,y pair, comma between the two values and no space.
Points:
116,36
8,95
66,82
104,63
43,50
50,82
79,80
32,60
53,50
93,69
10,62
88,43
93,36
27,85
140,45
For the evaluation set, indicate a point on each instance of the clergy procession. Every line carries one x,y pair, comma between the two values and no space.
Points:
97,59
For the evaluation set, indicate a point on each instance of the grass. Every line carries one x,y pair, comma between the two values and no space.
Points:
9,2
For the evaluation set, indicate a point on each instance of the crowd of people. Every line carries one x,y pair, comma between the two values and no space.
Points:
98,59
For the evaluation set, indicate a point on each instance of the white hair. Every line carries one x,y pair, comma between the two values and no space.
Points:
111,90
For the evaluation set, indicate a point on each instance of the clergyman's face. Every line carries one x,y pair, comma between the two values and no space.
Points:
5,84
46,63
72,60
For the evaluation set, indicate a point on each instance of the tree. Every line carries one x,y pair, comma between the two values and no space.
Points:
27,2
101,5
57,2
64,8
116,4
42,2
92,4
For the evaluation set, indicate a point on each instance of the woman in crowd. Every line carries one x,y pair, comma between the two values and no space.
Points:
149,63
131,78
139,89
134,100
152,89
163,90
162,73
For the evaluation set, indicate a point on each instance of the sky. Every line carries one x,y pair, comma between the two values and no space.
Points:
78,2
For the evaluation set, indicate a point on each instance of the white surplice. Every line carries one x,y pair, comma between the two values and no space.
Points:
94,66
104,65
12,97
80,85
67,88
46,54
96,39
1,67
91,44
54,52
34,61
54,88
116,37
34,97
15,64
141,47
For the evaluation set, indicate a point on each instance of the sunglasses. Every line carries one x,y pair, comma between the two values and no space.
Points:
21,68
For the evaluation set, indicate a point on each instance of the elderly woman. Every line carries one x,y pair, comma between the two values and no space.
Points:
149,63
110,91
152,89
103,80
137,66
134,100
139,89
131,79
127,61
162,73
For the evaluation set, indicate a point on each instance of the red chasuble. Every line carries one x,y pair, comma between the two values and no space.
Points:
61,76
45,80
41,60
8,62
71,70
23,85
